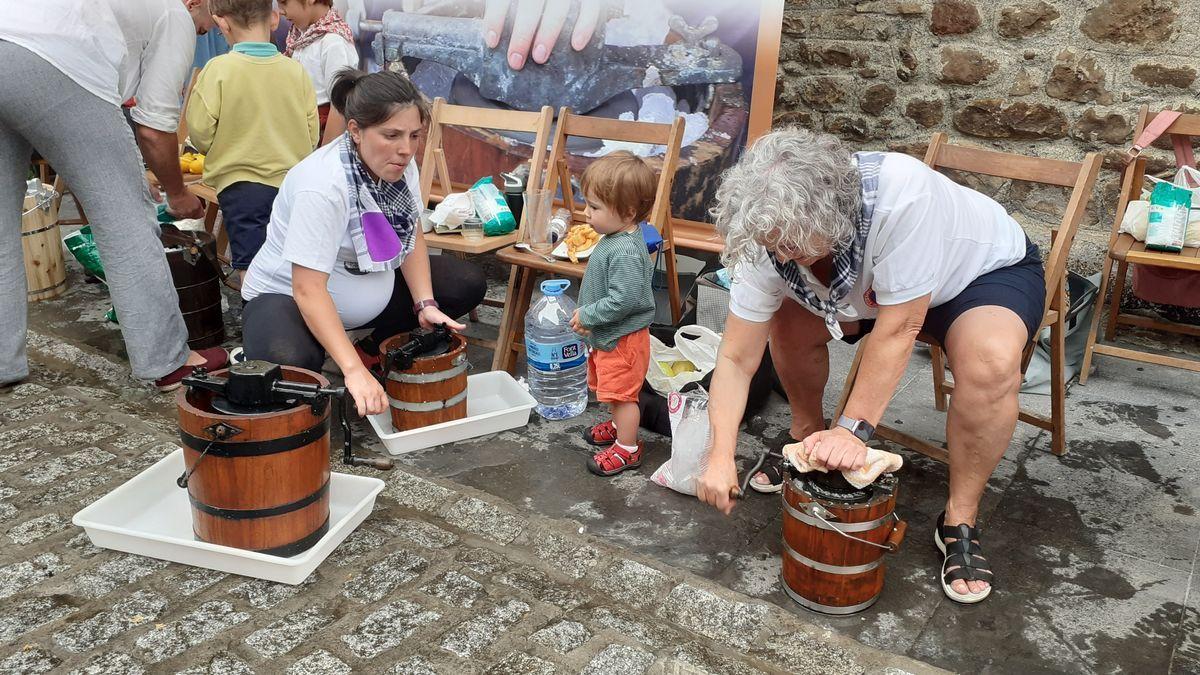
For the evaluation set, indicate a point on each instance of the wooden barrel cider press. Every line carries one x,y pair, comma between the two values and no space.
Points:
834,538
426,379
256,450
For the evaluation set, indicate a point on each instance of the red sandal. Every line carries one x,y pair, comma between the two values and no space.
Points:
602,434
613,460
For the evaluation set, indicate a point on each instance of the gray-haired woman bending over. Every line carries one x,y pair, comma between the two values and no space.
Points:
827,244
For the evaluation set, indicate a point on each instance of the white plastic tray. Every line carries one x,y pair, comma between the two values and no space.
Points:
495,402
149,515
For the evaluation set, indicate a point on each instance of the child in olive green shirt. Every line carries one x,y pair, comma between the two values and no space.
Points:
253,112
616,304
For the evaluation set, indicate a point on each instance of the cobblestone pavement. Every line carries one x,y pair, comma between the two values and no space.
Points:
439,579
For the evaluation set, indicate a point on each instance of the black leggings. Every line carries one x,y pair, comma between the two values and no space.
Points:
274,330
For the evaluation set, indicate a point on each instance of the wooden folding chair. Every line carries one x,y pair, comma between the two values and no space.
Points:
1124,250
526,265
1081,178
434,164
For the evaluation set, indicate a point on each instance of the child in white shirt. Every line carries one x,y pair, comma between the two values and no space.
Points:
321,41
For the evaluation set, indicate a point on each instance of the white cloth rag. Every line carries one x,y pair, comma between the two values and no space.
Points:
878,462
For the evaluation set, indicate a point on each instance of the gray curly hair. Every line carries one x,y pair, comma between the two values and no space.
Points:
792,191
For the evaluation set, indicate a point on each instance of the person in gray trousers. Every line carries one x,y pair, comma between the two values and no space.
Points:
65,68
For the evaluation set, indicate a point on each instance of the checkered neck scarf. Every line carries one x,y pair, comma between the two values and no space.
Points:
394,200
332,22
847,259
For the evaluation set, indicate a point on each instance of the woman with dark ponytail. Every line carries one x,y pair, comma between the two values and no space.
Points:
345,221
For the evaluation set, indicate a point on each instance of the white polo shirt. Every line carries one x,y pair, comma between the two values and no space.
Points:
115,49
929,236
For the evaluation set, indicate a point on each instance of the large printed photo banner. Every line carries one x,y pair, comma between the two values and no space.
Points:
712,61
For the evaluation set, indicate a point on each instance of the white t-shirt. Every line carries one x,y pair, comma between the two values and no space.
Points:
310,227
115,49
323,59
929,236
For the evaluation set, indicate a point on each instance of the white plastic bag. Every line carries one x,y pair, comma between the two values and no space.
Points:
1136,219
695,344
452,211
689,441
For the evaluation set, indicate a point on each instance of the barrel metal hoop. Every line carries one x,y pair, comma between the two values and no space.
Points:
302,544
287,550
39,230
205,308
843,527
246,514
458,367
826,609
431,406
831,569
47,289
256,448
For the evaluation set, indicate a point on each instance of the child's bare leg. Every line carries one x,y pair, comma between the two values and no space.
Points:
626,415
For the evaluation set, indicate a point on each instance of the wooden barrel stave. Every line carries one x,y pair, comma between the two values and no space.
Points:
452,388
276,502
41,248
826,571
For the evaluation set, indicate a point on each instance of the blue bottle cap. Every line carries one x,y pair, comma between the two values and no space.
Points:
555,287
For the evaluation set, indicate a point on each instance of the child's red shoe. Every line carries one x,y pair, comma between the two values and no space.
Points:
602,434
613,460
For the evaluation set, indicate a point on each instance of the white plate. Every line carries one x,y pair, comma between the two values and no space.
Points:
560,251
150,515
495,403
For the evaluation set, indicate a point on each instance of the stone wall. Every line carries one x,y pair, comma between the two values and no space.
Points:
1055,78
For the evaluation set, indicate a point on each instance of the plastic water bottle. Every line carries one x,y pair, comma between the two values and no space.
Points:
556,356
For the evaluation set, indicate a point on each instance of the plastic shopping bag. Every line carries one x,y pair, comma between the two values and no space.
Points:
82,245
449,215
689,441
692,358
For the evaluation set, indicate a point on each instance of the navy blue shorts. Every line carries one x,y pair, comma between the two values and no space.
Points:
1020,287
246,207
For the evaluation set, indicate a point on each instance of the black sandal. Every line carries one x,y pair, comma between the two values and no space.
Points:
773,470
964,554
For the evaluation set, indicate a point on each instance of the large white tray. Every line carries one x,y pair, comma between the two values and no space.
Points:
495,402
150,515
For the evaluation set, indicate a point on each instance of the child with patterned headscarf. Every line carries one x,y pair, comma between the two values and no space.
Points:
321,41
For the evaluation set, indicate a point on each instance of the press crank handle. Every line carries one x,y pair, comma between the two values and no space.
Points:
739,491
348,456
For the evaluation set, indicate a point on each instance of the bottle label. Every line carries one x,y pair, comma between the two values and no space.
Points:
555,355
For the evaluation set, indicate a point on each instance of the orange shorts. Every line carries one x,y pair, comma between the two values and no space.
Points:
617,376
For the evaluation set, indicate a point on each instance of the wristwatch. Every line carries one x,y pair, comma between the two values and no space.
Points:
423,304
861,429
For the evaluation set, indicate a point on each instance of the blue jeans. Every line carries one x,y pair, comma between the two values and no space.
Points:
246,207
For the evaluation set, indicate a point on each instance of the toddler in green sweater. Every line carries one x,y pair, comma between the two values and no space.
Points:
616,304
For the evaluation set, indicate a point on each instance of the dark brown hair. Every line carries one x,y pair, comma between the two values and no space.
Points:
373,99
244,13
623,182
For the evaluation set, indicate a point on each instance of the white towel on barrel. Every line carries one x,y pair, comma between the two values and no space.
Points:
878,463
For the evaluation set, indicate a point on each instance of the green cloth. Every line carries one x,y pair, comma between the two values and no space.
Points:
256,48
617,298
